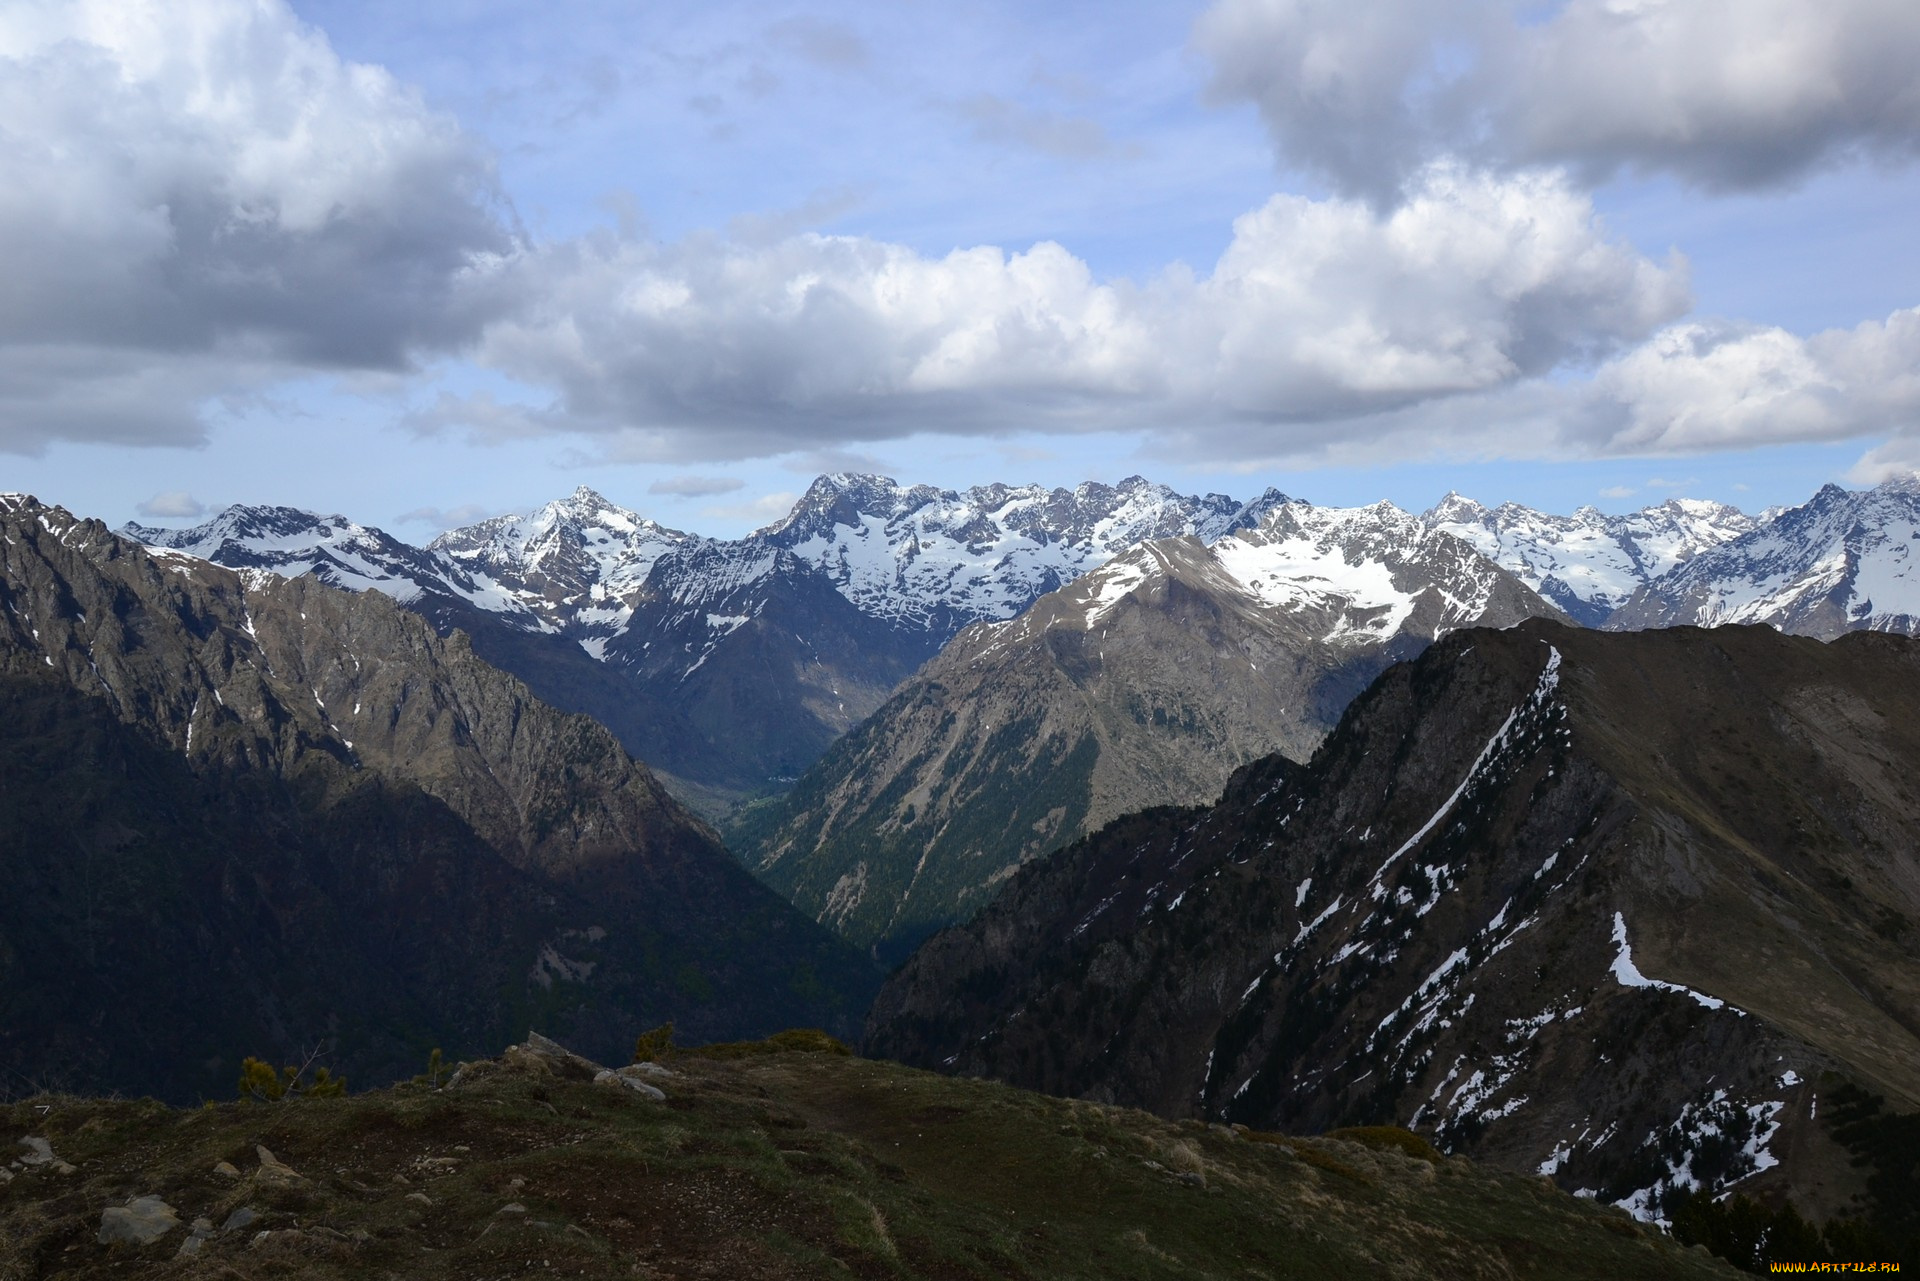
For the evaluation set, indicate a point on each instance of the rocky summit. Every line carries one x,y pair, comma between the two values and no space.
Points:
1630,911
1144,682
247,814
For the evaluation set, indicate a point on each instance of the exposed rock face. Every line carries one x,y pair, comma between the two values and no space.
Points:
1843,561
1602,906
1590,563
1145,682
248,814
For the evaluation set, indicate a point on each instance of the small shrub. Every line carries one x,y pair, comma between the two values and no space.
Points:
654,1044
1391,1138
798,1040
437,1071
261,1084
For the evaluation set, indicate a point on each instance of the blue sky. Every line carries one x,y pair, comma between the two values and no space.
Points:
420,263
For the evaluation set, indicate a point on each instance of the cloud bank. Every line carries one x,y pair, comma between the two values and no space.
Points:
1317,310
204,199
1724,94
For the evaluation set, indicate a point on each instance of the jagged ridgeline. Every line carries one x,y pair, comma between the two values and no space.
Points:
1623,909
242,814
1145,682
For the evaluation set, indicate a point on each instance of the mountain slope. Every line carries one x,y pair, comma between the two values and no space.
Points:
1840,562
1144,682
1589,563
1603,906
244,814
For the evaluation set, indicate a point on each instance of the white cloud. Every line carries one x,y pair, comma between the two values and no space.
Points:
1701,386
1618,491
1692,388
1724,93
174,504
201,195
1317,310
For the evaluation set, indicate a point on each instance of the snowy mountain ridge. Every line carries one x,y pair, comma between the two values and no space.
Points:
1843,561
1591,563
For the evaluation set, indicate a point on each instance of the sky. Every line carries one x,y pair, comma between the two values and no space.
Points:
421,264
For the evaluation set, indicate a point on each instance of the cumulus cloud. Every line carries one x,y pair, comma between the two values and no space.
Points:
1726,94
201,193
1317,310
692,486
173,504
1702,386
1692,388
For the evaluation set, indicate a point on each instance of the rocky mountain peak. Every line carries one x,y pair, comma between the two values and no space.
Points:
1455,506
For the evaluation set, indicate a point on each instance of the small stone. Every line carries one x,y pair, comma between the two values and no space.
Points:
273,1170
512,1207
259,1239
421,1197
646,1067
403,1180
203,1225
240,1218
461,1147
190,1246
63,1167
39,1151
139,1221
516,1183
226,1170
6,1176
634,1083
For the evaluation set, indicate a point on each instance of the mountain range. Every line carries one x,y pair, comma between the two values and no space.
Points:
730,664
1590,564
738,660
250,814
1624,909
1144,682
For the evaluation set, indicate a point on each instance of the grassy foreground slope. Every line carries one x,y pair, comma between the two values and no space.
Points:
773,1166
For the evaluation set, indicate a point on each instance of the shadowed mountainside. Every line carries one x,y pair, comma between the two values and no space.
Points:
247,814
1609,907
